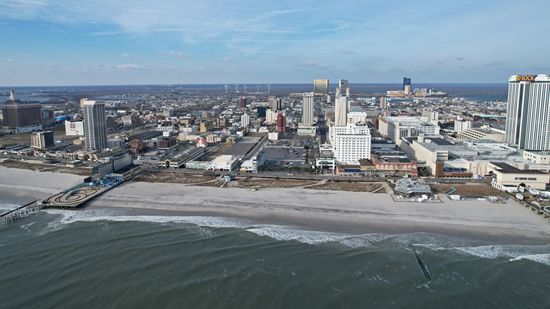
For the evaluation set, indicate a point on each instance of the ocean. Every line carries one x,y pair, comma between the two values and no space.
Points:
108,259
476,92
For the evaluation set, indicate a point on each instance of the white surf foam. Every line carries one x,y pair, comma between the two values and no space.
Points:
65,217
289,233
539,258
539,254
7,206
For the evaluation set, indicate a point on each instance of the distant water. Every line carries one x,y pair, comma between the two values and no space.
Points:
63,259
478,92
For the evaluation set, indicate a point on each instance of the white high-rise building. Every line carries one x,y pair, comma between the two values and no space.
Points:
341,111
270,116
95,128
528,112
245,121
307,110
461,124
351,143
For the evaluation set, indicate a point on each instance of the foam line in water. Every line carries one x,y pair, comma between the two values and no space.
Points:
68,217
539,258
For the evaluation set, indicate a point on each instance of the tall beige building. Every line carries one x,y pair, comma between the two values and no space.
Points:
320,86
341,111
307,110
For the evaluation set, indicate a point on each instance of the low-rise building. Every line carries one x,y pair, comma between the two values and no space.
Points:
74,128
509,178
224,163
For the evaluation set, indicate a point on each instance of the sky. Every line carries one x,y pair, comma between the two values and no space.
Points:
103,42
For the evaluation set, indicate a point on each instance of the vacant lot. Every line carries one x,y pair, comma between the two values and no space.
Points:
172,177
45,167
351,186
467,190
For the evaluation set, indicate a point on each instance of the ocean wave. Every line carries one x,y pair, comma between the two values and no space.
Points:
7,206
433,242
539,258
289,233
539,254
65,217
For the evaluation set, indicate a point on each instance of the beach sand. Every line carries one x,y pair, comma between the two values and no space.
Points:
338,211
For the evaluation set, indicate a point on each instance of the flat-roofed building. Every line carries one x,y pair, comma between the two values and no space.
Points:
398,127
74,128
42,140
509,178
537,157
478,134
350,143
23,116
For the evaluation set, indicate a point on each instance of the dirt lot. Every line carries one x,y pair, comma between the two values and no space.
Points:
172,177
468,190
351,186
259,183
46,167
25,138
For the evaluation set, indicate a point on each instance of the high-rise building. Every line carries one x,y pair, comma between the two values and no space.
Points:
95,127
341,111
42,140
275,104
528,111
383,103
407,86
23,116
343,88
307,110
320,86
245,121
271,116
281,122
351,143
242,102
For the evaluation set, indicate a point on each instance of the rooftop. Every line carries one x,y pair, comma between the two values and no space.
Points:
508,169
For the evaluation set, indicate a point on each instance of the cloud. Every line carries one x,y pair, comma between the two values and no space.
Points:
459,58
129,66
314,65
177,54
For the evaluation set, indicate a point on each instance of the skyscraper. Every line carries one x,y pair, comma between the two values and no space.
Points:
320,86
341,111
95,128
343,88
281,122
245,121
21,115
528,111
307,112
407,85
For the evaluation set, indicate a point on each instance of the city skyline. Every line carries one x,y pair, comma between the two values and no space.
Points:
54,42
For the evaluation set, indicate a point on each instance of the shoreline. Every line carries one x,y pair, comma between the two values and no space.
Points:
322,210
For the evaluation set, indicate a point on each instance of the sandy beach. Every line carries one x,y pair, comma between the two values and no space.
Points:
355,212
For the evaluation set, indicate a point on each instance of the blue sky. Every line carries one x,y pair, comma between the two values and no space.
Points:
67,42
